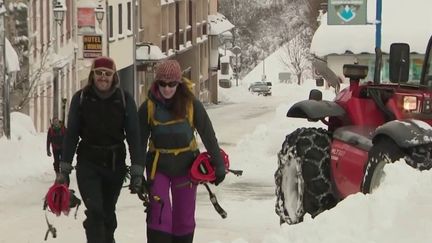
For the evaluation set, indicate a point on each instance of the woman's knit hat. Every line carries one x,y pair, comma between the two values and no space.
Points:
104,62
169,70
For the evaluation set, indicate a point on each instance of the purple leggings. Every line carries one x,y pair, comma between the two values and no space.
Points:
176,216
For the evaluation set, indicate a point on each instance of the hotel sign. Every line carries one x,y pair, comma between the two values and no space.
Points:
346,12
92,46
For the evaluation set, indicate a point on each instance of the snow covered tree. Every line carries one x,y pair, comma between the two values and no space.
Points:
17,33
261,25
296,55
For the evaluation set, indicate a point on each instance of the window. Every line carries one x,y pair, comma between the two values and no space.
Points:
41,22
110,16
49,22
68,19
120,18
129,16
34,14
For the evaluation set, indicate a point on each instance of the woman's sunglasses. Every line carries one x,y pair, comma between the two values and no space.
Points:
171,84
103,72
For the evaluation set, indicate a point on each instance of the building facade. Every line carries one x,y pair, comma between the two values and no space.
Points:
137,34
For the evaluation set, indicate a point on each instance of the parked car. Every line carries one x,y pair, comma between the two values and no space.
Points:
260,88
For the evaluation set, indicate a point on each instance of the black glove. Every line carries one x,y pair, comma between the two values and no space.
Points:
62,179
220,175
136,181
65,168
63,176
136,184
49,153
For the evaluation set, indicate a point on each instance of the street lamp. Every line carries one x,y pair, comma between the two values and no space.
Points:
100,12
59,11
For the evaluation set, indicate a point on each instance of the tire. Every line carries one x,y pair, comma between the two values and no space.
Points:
420,157
310,148
383,152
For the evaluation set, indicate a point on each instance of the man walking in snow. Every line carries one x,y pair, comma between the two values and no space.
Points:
55,137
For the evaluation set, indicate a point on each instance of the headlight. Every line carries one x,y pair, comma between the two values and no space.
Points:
410,103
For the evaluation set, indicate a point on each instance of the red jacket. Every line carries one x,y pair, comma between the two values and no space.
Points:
55,138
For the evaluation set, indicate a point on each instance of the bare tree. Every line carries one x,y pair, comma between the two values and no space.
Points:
34,79
28,81
296,56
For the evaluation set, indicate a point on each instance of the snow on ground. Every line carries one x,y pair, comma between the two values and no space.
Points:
399,211
251,129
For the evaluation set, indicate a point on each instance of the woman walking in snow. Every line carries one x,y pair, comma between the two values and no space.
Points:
168,119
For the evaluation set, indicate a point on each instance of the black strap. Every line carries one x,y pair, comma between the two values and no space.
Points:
215,203
51,229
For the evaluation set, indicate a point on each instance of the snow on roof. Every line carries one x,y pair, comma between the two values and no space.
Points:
12,61
87,4
163,2
149,53
218,24
2,8
402,21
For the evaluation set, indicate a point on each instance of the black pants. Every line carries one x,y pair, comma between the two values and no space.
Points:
100,188
57,157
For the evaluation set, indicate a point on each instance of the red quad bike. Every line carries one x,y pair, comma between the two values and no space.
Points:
368,125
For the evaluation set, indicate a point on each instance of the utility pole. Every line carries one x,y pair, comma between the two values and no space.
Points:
135,39
378,58
5,111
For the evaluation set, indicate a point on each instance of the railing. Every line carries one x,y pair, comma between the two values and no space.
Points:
171,41
164,44
188,33
181,37
204,27
198,27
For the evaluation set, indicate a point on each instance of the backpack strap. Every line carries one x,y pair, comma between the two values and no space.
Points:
150,115
123,98
152,122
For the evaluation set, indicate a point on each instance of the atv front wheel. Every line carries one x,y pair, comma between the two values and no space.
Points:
303,177
383,152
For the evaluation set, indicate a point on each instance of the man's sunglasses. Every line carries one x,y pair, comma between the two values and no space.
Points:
103,72
171,84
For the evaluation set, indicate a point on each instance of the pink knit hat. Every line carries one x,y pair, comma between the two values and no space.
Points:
169,70
104,62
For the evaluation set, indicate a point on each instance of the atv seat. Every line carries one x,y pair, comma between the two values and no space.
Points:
358,136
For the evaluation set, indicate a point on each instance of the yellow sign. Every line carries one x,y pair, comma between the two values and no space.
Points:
92,46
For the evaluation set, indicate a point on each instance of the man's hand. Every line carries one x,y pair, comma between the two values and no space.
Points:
62,179
65,168
48,153
135,185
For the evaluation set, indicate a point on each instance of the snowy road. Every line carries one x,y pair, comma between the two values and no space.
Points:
21,205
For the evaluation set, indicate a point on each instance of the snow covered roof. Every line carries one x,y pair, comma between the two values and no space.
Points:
163,2
86,4
12,61
2,8
149,53
218,24
402,21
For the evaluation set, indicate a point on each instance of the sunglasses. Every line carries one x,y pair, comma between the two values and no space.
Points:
103,72
171,84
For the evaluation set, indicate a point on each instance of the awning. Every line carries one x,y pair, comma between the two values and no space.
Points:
12,61
218,24
149,53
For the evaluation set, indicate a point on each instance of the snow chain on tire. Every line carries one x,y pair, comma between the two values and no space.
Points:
420,157
307,150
